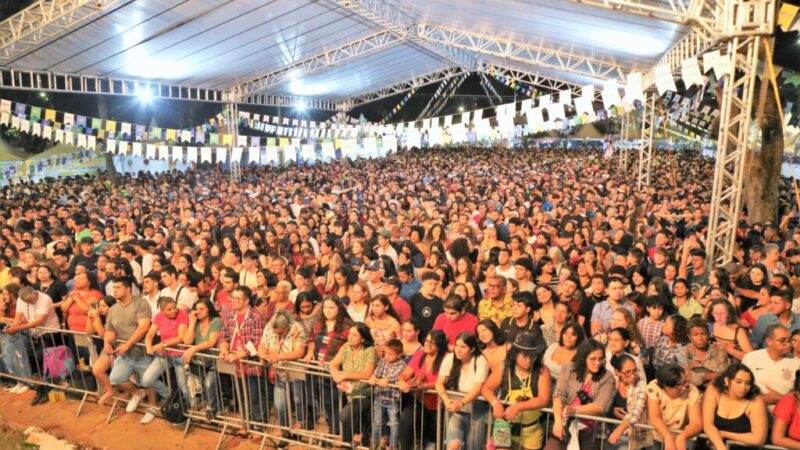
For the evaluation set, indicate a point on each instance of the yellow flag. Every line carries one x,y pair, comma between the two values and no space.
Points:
111,125
50,115
171,134
227,139
283,142
787,15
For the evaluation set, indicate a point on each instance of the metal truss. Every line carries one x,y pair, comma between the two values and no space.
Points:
646,141
403,86
702,12
727,192
622,144
744,22
330,58
391,18
534,55
43,21
33,80
538,81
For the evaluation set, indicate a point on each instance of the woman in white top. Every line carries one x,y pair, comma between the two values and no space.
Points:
561,352
360,300
463,371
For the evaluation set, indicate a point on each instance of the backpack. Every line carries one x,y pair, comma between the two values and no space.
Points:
172,410
57,362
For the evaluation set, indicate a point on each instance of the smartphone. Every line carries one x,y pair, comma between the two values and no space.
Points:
92,306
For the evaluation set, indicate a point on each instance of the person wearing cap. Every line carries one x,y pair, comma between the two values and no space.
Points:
283,339
391,289
374,277
384,246
519,391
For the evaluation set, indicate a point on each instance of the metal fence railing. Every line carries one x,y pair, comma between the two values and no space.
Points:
293,402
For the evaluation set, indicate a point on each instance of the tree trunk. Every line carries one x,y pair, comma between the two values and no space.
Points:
102,110
764,165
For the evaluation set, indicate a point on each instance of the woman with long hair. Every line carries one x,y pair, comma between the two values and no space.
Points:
201,335
420,375
492,342
584,387
733,410
463,371
350,368
383,323
409,336
360,300
629,405
562,352
95,326
725,329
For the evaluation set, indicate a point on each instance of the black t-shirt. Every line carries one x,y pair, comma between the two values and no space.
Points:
511,329
56,291
425,310
586,308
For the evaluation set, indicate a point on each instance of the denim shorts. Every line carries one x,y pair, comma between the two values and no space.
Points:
125,366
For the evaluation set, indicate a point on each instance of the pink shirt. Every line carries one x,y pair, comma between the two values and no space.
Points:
168,328
467,322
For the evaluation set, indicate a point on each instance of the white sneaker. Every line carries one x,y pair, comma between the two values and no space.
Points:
133,403
149,416
12,389
21,389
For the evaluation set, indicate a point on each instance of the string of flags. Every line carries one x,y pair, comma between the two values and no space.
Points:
449,95
399,106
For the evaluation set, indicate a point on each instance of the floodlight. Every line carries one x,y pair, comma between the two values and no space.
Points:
301,105
144,95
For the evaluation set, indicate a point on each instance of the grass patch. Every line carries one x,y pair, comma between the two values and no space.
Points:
14,440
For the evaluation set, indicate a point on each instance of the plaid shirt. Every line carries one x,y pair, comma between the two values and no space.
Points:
325,345
392,372
650,330
249,331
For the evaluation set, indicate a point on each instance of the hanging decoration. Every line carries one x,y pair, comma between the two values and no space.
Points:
399,106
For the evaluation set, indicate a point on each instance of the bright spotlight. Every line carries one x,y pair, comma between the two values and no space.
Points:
144,95
301,106
460,109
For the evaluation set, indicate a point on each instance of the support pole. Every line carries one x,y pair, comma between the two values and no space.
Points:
646,141
746,25
622,144
734,127
233,129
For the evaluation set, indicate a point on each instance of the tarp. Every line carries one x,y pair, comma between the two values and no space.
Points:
588,131
10,153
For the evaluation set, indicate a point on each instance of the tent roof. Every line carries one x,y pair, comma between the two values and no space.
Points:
220,44
10,153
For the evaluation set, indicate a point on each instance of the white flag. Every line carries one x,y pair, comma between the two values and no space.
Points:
136,149
191,154
690,72
236,154
151,151
205,154
177,153
222,155
111,146
163,152
664,80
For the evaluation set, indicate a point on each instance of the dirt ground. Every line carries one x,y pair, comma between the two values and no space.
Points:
123,433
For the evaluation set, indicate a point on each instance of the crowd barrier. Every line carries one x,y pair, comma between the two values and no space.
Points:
287,403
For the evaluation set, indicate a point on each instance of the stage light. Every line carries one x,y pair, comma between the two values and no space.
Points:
460,109
301,106
144,95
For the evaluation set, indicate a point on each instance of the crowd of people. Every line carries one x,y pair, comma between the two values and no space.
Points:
491,283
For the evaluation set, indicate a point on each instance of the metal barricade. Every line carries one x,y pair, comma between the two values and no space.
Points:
293,402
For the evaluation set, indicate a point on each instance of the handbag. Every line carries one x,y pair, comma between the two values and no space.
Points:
501,433
57,362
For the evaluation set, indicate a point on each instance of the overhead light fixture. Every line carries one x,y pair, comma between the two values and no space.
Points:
301,105
144,95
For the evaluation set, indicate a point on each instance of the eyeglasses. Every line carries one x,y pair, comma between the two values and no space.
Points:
629,373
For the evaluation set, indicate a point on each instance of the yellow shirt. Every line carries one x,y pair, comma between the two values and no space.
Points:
488,310
5,277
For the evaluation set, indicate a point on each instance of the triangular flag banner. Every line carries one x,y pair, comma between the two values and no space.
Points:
136,149
222,154
163,152
82,140
236,154
664,80
633,88
122,148
565,97
610,94
205,154
690,72
253,155
191,154
111,146
69,119
241,141
177,153
151,151
111,125
91,142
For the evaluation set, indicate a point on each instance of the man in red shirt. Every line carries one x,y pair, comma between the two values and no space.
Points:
391,289
455,320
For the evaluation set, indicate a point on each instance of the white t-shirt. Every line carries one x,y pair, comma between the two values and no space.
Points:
777,375
42,306
474,372
511,272
187,297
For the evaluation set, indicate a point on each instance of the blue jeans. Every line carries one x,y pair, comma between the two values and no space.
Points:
157,368
15,354
125,366
389,408
325,397
285,390
210,380
469,429
253,395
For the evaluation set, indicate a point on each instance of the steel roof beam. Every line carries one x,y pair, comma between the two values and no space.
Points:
403,86
33,80
42,21
534,55
347,52
391,18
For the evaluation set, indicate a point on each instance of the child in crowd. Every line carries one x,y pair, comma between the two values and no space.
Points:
387,399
